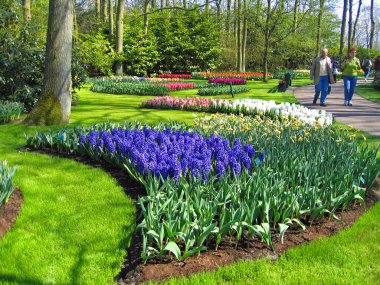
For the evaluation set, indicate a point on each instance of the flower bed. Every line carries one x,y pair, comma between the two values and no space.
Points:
204,186
178,86
10,111
271,109
246,75
167,75
233,81
220,90
189,104
131,88
6,181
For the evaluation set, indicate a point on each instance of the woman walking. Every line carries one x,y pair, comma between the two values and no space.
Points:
350,69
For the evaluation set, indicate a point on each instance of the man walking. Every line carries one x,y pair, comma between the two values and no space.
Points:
321,73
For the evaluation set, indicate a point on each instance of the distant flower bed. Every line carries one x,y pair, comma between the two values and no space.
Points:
178,86
6,181
246,75
220,90
10,111
130,88
273,110
293,74
159,79
189,104
233,81
167,75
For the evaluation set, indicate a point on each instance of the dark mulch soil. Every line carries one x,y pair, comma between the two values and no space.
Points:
135,272
9,211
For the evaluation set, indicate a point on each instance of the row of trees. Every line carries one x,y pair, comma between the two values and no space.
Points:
169,36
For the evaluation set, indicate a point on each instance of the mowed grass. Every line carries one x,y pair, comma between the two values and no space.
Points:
76,221
368,91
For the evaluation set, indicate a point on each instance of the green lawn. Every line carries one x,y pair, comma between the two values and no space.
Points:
76,221
368,91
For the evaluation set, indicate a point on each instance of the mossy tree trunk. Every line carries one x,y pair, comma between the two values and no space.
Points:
54,105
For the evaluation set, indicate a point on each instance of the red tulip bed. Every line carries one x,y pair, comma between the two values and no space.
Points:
178,86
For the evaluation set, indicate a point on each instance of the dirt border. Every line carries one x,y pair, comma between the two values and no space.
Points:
135,272
9,211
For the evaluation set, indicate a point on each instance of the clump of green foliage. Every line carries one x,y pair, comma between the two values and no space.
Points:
10,111
6,181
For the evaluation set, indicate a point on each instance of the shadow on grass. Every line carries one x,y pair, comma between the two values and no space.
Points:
16,280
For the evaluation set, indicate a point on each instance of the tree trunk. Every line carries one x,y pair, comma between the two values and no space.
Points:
110,17
372,34
266,40
97,8
356,21
26,8
295,15
228,19
54,105
162,4
319,25
119,36
349,37
244,40
343,27
146,18
238,36
104,11
207,5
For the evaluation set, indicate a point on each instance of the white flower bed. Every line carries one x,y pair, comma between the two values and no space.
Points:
310,116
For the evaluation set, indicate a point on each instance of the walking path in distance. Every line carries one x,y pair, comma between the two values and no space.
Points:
363,115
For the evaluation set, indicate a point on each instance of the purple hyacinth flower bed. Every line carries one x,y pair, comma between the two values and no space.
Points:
170,154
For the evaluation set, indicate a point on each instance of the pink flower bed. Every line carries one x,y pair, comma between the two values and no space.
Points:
167,102
167,75
234,81
177,86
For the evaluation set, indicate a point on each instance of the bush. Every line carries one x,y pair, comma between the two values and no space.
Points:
6,181
10,111
219,90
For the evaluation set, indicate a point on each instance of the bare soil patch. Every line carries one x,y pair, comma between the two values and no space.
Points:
9,211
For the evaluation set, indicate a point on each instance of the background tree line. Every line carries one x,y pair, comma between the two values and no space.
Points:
145,37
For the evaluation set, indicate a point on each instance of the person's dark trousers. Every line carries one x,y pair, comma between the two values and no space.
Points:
316,94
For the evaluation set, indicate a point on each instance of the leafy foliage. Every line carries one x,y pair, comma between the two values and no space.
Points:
6,181
10,110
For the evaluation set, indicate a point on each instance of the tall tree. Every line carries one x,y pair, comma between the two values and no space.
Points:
356,21
119,36
146,18
319,25
244,38
54,105
343,27
371,37
349,35
26,8
238,36
97,8
295,14
110,19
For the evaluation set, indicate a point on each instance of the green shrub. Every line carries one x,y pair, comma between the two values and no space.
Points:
221,89
6,181
10,110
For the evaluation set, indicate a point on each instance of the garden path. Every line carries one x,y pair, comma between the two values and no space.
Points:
363,115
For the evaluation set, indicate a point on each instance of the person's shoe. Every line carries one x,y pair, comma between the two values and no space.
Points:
349,103
345,103
323,104
365,80
314,102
